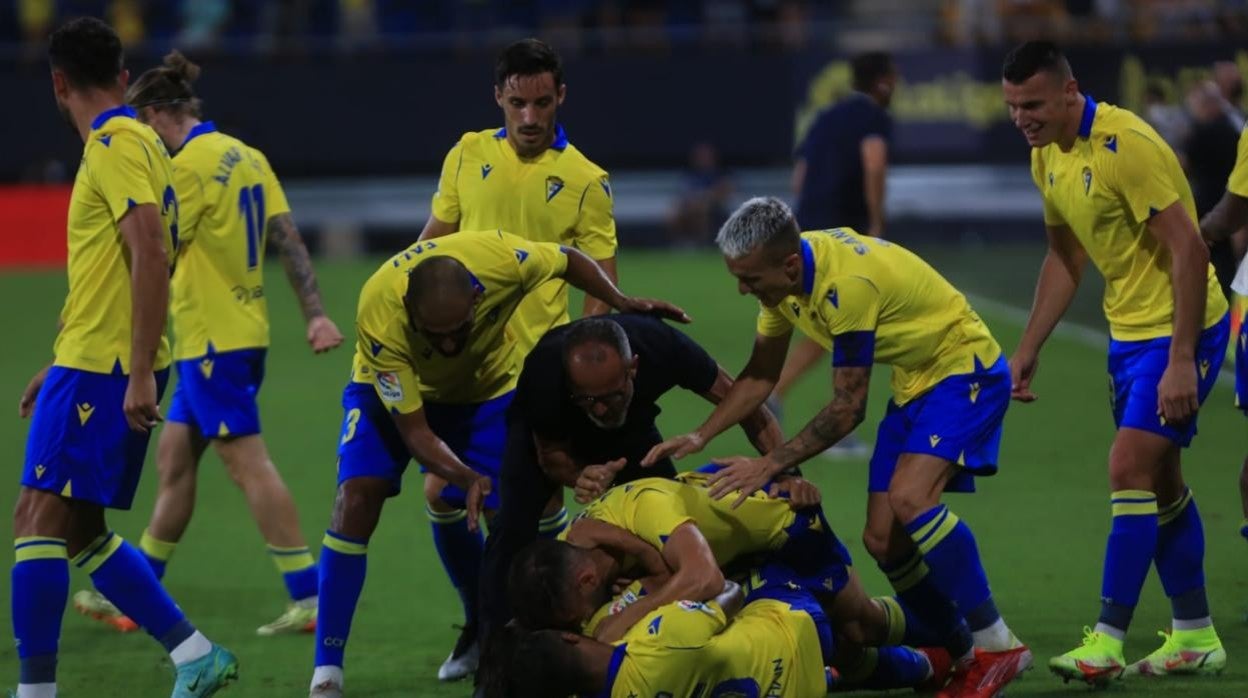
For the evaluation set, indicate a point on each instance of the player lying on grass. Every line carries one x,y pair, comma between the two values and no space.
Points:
584,416
778,644
230,204
870,301
433,374
568,585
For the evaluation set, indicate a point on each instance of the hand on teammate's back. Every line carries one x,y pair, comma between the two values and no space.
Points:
141,404
26,406
323,334
654,307
596,479
676,448
748,475
800,493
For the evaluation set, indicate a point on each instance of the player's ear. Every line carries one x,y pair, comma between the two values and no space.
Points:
476,296
563,93
123,78
60,83
498,95
632,365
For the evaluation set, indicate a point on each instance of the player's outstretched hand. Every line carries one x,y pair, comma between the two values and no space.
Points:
801,493
1177,394
26,406
1022,371
596,479
653,307
477,492
141,405
740,473
323,334
676,447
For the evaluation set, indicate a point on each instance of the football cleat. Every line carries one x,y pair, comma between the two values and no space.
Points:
326,689
942,666
296,619
1184,652
93,604
464,658
1097,661
206,675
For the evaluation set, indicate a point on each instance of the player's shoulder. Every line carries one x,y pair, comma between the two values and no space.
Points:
122,136
475,140
572,159
1118,131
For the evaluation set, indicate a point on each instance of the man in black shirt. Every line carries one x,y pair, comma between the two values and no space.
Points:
586,400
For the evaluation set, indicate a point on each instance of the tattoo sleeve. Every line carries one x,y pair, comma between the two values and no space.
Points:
298,264
846,410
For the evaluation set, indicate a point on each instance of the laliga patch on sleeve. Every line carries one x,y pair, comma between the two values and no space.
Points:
389,387
695,606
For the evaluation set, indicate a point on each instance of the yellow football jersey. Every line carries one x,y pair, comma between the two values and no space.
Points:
124,164
559,196
227,193
690,649
651,508
1118,174
922,326
1237,184
404,367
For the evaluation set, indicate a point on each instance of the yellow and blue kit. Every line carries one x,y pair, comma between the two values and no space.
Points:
228,194
1237,184
465,397
559,196
871,301
80,445
1118,174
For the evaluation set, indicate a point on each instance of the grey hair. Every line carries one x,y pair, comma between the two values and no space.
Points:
596,330
763,220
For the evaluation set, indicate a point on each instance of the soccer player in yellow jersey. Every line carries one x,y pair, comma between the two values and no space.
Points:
95,407
777,644
1114,193
433,374
867,301
1226,219
528,179
230,204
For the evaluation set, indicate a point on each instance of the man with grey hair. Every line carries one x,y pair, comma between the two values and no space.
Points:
867,300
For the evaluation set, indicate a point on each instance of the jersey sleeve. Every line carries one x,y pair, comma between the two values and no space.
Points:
1238,182
539,262
191,201
595,228
683,624
1051,215
1138,174
390,373
121,166
446,198
690,366
852,311
654,515
772,323
275,196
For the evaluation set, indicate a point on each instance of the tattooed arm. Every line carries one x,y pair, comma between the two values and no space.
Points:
846,411
323,335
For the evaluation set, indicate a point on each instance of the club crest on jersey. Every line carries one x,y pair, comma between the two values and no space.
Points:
389,386
554,185
1087,180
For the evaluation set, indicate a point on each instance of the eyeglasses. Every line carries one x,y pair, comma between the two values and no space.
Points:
612,399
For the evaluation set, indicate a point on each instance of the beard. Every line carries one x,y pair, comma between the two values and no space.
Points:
614,422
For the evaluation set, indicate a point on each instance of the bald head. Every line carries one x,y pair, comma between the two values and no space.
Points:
600,366
441,296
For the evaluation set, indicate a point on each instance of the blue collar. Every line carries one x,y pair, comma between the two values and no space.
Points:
808,268
613,669
123,110
201,129
560,142
1089,113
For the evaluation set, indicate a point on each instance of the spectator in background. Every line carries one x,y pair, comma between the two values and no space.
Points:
839,182
1231,90
703,203
1164,115
202,23
1210,156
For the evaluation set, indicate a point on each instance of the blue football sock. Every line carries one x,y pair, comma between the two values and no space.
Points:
1128,554
932,611
461,552
121,574
551,526
344,562
904,625
40,588
884,668
948,547
298,570
158,552
1180,558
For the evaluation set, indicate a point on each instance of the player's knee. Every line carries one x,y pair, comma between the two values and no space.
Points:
877,544
907,503
852,632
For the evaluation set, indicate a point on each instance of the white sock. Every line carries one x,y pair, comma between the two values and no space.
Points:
1116,633
1192,623
994,638
36,690
321,674
309,602
192,648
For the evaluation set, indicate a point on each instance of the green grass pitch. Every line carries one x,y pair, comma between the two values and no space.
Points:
1041,523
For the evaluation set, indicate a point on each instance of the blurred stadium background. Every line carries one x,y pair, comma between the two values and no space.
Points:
689,104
